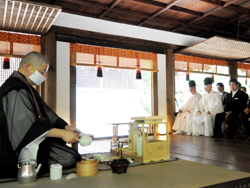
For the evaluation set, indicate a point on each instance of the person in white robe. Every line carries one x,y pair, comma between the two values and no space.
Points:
184,120
204,115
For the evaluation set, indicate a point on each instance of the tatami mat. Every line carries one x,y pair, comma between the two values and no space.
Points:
176,174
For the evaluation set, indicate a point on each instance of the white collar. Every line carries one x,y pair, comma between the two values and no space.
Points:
233,93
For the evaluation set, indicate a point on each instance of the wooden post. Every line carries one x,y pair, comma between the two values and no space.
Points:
233,67
154,94
73,100
48,88
154,97
170,85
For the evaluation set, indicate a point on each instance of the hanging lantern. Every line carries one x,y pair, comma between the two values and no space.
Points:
212,77
187,76
138,73
99,70
6,63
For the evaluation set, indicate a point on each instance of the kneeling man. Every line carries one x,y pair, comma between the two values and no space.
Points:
184,120
209,106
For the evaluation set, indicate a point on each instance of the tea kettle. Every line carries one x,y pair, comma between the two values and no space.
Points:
27,172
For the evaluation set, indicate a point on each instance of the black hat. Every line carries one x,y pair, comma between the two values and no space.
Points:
207,81
191,83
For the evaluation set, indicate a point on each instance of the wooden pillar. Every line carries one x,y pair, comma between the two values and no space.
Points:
233,66
154,94
48,88
73,100
170,86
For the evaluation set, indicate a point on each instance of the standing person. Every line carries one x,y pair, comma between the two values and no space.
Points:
184,120
204,115
24,118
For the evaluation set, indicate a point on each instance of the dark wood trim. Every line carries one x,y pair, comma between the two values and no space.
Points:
73,100
233,67
48,88
170,86
115,41
171,4
154,93
115,2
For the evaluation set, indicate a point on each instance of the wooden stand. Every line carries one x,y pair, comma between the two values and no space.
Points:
155,148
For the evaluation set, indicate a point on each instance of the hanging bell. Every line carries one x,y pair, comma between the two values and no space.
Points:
99,70
138,73
212,77
187,76
6,63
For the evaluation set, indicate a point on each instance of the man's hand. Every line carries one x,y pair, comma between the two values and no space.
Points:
180,111
73,129
208,112
67,135
70,137
226,116
199,112
246,111
189,111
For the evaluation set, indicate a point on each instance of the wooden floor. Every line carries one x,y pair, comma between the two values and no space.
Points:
230,154
222,152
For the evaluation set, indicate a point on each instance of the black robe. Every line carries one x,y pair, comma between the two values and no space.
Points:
17,129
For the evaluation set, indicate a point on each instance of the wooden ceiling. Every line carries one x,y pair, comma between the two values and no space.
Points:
27,16
202,18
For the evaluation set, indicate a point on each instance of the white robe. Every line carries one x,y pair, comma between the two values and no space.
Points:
184,120
204,123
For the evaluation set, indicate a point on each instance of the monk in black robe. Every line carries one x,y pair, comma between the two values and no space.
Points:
24,117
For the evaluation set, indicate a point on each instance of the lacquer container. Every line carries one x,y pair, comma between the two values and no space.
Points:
87,168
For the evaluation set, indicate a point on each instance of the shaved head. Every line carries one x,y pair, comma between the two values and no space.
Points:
34,58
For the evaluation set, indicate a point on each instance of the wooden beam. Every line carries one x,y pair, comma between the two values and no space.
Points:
73,100
48,88
154,3
154,93
89,4
172,3
233,67
188,11
170,85
129,12
238,9
206,14
107,43
115,2
69,33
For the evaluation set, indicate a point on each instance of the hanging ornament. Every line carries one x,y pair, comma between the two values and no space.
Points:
187,76
99,66
6,63
212,77
138,73
99,70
